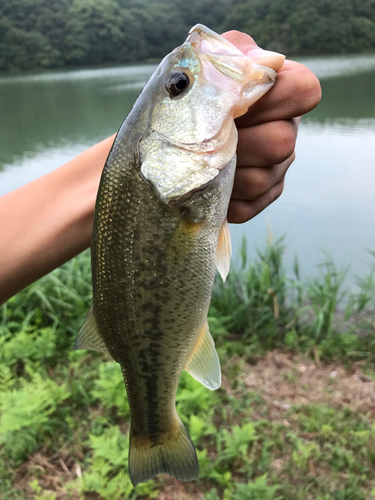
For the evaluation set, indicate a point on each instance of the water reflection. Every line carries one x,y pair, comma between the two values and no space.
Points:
35,164
339,66
47,119
116,73
328,202
44,111
345,99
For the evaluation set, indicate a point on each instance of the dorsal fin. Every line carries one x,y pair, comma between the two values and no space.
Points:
203,363
224,251
89,337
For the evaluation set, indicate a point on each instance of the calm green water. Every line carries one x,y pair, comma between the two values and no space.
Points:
329,198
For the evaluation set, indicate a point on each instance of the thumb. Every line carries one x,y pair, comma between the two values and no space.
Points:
247,45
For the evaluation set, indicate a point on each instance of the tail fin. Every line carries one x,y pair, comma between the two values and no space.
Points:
176,456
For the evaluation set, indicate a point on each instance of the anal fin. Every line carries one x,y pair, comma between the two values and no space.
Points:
224,251
89,337
203,363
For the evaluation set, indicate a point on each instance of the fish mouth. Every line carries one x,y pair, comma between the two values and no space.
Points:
210,167
226,57
223,66
224,84
229,69
266,58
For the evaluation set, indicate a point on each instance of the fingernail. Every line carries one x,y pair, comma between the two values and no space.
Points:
267,58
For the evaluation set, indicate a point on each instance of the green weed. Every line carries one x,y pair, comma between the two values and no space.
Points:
109,388
59,402
29,415
258,489
237,442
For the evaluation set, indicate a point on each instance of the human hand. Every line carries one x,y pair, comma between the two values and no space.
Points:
267,133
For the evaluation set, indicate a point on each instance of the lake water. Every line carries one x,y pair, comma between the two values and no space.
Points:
329,197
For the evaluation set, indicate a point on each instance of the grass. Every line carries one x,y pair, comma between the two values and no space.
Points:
294,418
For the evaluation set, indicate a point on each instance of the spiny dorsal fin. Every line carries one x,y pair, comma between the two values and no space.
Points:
89,337
204,364
224,251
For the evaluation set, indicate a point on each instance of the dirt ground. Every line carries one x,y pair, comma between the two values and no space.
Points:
281,379
286,379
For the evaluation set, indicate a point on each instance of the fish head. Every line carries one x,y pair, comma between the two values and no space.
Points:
197,91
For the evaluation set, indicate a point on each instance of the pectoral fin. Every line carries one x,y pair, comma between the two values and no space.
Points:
204,364
224,251
89,337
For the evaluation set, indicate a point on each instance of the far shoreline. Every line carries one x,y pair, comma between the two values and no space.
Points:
155,60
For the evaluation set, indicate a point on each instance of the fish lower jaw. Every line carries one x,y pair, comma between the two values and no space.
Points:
209,146
180,201
198,151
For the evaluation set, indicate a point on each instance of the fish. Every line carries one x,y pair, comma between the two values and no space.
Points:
160,231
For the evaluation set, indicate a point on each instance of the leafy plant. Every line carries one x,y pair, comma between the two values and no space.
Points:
108,468
305,452
29,414
72,405
325,294
256,490
110,388
238,441
193,398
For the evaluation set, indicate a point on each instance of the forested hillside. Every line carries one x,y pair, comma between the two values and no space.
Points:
57,33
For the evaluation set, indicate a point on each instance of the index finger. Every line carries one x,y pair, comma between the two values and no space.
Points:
248,46
241,40
296,92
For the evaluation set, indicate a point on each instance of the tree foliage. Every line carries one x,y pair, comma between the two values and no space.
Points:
54,33
308,26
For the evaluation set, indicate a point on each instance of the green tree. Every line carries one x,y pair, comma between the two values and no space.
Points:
49,33
95,32
24,50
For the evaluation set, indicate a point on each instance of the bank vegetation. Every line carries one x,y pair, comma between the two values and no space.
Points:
38,34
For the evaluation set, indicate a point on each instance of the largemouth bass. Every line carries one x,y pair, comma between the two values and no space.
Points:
159,233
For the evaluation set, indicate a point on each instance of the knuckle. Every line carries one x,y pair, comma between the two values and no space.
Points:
287,163
287,141
307,88
278,189
239,212
261,183
283,145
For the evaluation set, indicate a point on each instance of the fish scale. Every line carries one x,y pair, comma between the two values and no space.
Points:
159,233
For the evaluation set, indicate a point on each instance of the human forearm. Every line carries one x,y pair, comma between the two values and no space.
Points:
46,222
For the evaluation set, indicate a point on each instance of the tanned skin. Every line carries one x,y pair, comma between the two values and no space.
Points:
48,221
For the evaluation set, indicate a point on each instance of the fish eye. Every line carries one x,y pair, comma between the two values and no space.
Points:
177,83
